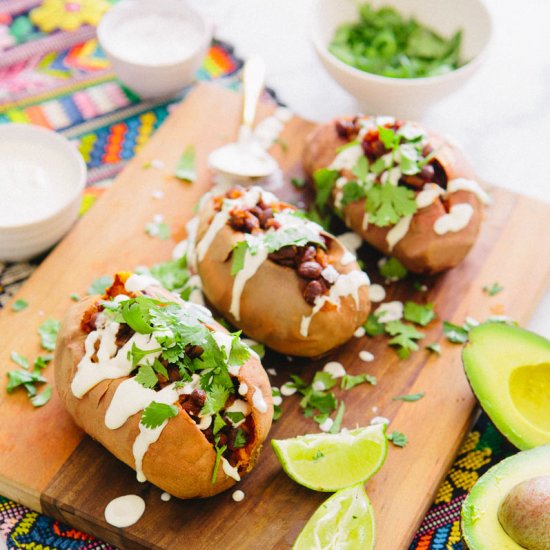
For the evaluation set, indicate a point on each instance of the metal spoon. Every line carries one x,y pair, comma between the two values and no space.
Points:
246,158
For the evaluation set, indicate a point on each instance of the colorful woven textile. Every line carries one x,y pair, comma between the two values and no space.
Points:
61,79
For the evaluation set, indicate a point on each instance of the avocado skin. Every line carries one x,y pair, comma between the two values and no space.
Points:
494,353
481,528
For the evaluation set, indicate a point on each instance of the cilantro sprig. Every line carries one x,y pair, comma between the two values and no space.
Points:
156,413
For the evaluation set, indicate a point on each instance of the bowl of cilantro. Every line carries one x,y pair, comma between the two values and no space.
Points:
399,57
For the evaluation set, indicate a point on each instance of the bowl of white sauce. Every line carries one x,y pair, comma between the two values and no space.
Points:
155,46
42,176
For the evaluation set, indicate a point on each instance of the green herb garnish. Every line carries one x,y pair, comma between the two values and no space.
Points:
186,169
42,398
455,333
335,428
100,285
17,378
398,439
240,439
435,347
386,43
299,183
411,397
158,229
19,305
495,288
156,413
418,313
74,297
386,204
392,269
48,333
404,337
372,326
349,381
19,359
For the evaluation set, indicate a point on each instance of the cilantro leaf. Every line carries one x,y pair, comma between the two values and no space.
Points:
323,380
146,376
235,417
435,347
74,297
239,352
41,362
349,381
19,305
219,453
240,439
17,378
42,398
324,180
411,397
173,275
292,235
137,354
136,313
335,428
372,326
298,182
156,413
159,229
219,423
215,399
495,288
388,137
352,192
48,333
100,285
398,439
418,313
386,204
392,269
238,256
404,337
19,359
454,333
160,368
361,168
186,169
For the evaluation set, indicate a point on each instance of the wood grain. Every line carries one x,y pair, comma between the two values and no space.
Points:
48,464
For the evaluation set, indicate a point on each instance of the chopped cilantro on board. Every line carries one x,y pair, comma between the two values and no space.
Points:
492,290
435,347
19,305
158,229
186,169
335,428
40,399
398,439
74,297
404,337
19,359
392,268
349,381
48,333
418,313
156,413
372,326
454,333
411,397
18,378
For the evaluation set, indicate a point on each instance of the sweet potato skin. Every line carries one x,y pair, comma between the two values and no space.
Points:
272,304
421,250
182,460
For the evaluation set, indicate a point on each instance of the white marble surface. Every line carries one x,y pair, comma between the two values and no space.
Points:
501,117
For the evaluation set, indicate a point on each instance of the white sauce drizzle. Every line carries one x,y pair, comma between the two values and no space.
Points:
205,422
360,332
124,511
379,420
366,356
335,369
287,389
231,471
398,231
112,362
377,293
137,283
463,184
352,241
326,425
348,258
258,400
458,218
427,196
330,274
243,388
219,221
240,406
365,221
165,497
390,311
347,284
237,495
347,158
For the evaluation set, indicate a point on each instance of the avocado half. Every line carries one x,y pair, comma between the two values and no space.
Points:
509,371
481,529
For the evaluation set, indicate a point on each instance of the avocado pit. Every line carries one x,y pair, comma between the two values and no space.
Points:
525,513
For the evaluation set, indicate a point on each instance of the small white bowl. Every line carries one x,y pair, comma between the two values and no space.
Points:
29,226
404,97
141,39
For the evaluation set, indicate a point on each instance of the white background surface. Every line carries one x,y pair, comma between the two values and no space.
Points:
501,117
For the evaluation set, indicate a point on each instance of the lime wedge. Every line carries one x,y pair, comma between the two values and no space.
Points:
328,462
344,521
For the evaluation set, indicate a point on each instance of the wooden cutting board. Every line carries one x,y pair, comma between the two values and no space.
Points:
50,465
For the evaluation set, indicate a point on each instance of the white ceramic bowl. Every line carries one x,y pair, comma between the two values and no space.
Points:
146,74
402,97
27,229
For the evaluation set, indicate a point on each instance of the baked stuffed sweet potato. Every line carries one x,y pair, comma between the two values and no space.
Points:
276,275
163,387
404,190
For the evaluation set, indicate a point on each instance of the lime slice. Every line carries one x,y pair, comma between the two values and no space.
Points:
328,462
344,521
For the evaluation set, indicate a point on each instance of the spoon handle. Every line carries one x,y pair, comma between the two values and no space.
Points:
253,83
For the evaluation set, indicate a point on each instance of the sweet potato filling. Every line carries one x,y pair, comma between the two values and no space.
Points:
308,261
374,148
